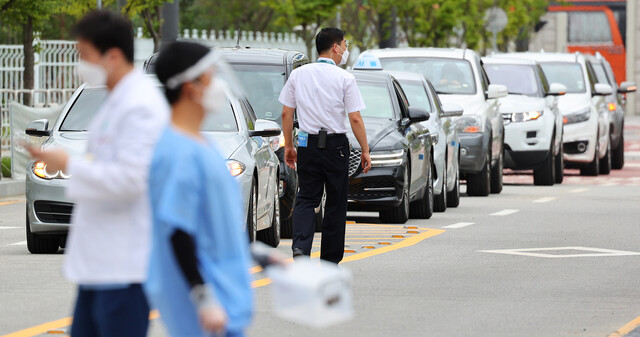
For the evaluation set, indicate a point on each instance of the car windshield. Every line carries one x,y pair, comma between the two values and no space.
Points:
416,94
263,84
449,76
89,100
519,79
567,74
377,100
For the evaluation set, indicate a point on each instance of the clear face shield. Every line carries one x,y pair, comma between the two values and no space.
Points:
223,81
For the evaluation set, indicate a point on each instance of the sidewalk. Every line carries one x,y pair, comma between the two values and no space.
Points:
11,187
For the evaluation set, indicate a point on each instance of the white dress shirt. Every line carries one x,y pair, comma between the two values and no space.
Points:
322,94
110,235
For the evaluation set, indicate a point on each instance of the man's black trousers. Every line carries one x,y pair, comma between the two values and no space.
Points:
320,169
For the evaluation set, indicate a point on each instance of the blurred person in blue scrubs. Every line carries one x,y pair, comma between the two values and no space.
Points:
199,270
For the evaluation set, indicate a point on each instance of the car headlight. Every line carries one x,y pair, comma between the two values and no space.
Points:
577,117
387,158
39,168
277,142
469,124
235,167
525,116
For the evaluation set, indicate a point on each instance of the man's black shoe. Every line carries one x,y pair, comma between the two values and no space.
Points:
297,252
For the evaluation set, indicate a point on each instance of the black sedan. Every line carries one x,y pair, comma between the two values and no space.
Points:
400,182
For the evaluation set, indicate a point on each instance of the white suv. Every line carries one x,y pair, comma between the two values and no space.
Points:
585,114
532,122
458,78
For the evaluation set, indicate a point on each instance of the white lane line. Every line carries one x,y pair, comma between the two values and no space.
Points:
21,243
545,199
460,225
579,190
7,227
505,212
632,164
609,184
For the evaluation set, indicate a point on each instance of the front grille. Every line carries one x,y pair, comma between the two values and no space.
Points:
53,212
354,161
370,190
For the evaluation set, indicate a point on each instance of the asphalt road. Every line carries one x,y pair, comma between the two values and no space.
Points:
531,261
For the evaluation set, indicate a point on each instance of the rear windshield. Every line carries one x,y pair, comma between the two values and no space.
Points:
566,73
519,79
89,101
416,94
377,99
448,76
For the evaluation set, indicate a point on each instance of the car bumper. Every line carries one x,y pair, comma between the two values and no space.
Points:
48,209
380,188
473,152
527,144
524,160
580,133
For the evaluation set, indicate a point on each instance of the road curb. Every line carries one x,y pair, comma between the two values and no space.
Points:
11,187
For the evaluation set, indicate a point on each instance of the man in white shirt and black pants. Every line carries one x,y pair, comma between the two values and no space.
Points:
110,236
322,94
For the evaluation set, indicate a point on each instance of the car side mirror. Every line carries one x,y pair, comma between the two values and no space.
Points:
417,115
38,128
265,128
452,110
497,91
602,89
557,89
626,87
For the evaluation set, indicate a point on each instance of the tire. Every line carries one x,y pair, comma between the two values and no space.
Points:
320,214
617,156
400,213
605,163
440,201
271,235
593,168
479,184
252,214
453,197
38,244
423,207
545,175
496,175
560,165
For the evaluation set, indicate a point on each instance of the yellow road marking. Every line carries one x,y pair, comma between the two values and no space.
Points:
9,203
64,322
627,328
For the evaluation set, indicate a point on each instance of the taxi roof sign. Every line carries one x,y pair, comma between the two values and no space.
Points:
367,61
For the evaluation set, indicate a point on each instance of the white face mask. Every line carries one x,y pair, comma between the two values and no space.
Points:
345,57
214,97
92,73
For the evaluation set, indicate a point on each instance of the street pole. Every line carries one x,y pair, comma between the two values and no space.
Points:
632,8
99,4
387,29
170,26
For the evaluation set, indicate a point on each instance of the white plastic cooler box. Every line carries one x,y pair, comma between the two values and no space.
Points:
312,292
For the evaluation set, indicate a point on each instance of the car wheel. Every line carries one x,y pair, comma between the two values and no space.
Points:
320,212
617,156
38,244
271,235
453,197
605,163
593,167
496,175
545,175
560,165
479,184
440,201
399,214
423,207
252,213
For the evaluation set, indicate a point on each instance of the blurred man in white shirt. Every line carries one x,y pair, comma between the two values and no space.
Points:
109,240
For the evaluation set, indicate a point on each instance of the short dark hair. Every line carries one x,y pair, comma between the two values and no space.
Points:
327,37
106,30
174,59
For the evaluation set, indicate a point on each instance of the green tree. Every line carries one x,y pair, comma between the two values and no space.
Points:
150,11
304,17
250,15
